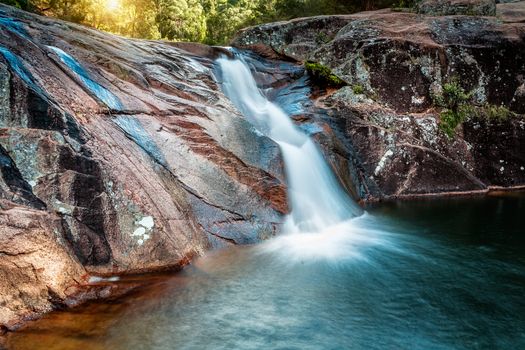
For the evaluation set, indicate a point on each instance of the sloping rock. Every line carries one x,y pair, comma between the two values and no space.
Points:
126,156
381,132
36,264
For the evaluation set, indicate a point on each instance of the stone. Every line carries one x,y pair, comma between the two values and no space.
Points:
388,144
145,184
457,7
37,266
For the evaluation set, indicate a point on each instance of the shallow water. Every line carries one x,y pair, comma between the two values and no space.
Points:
440,274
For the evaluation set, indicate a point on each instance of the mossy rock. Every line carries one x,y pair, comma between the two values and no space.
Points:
323,75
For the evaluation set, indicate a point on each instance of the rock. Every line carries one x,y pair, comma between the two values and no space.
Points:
123,155
386,142
457,7
511,11
403,59
37,266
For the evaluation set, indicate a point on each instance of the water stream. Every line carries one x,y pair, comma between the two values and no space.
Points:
318,202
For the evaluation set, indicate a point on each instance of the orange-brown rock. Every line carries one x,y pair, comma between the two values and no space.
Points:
118,156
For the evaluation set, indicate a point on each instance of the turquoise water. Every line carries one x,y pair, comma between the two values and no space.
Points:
440,274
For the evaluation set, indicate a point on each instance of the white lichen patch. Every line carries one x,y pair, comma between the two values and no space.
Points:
143,229
382,162
147,222
418,100
428,127
140,231
62,208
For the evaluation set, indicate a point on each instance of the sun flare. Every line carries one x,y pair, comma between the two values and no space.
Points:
112,5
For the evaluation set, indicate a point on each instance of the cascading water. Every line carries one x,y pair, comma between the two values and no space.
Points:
317,200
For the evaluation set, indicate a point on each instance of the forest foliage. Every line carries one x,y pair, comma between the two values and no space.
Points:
207,21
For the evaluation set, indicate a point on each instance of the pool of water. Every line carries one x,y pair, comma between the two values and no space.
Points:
436,274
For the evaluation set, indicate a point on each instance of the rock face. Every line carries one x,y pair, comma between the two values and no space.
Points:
117,156
457,7
35,261
381,132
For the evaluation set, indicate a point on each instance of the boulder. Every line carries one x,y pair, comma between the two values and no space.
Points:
381,132
125,156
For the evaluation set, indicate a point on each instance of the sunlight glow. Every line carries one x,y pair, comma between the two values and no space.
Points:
112,5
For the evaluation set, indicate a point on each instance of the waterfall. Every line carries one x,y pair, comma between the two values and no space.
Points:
316,197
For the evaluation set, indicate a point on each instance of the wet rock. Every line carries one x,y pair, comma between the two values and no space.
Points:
125,155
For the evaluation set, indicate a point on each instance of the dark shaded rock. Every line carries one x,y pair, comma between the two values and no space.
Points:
457,7
381,133
13,186
498,149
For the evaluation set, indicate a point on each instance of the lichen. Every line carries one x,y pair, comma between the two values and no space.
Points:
143,229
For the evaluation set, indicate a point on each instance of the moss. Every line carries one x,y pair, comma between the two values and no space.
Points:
454,100
458,109
450,119
323,75
358,89
497,113
454,95
322,38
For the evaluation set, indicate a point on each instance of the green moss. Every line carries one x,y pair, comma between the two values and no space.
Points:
454,95
457,108
323,75
454,100
358,89
450,119
497,113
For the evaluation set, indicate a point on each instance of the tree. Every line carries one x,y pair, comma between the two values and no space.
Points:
208,21
182,20
69,10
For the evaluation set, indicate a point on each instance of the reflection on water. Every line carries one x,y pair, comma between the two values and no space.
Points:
446,274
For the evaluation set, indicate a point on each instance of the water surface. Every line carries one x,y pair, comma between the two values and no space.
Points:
440,274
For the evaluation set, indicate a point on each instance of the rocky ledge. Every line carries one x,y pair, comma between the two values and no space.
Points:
429,105
117,156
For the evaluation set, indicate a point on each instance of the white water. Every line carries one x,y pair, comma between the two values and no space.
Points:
318,202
